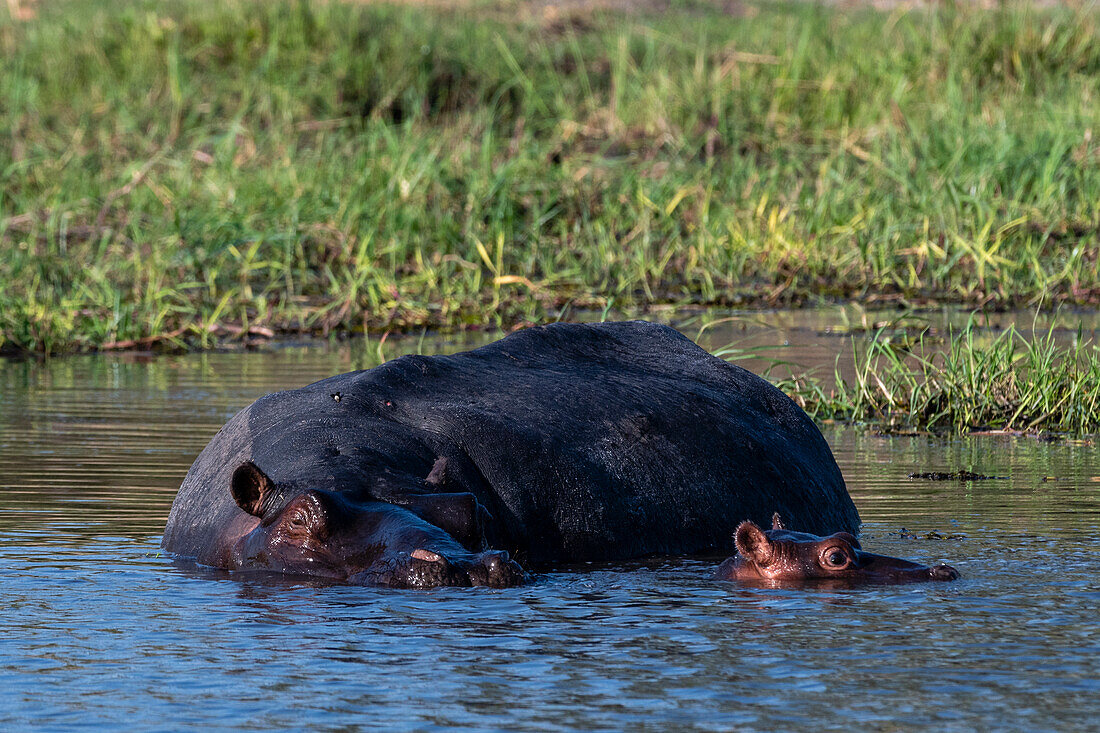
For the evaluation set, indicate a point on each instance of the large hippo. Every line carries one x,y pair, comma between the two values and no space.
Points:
566,442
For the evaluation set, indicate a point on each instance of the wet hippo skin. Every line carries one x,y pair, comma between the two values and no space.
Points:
567,442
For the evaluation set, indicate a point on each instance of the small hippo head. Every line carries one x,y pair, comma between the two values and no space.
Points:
782,555
435,540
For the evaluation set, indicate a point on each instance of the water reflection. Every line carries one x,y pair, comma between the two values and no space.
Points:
102,629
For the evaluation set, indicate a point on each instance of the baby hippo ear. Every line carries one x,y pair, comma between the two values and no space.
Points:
752,544
249,487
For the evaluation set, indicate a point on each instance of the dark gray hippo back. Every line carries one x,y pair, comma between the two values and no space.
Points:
584,441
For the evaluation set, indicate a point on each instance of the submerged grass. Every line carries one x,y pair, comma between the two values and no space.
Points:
182,172
968,381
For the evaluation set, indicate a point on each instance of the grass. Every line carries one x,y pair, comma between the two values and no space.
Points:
968,381
183,173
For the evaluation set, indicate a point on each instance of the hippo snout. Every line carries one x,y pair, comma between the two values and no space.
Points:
943,571
428,569
496,570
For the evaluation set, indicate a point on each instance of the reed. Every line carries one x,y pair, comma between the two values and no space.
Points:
969,380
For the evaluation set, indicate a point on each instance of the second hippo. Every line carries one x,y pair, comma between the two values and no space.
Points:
780,555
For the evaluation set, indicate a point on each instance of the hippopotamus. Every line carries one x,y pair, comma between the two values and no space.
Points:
781,555
558,443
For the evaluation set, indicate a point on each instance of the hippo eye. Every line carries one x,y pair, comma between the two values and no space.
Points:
298,520
835,558
305,518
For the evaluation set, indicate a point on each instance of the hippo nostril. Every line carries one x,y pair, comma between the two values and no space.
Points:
943,571
495,562
496,569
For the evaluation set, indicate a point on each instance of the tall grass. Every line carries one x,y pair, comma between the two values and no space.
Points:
183,172
968,381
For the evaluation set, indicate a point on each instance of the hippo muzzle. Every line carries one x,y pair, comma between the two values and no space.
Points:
426,569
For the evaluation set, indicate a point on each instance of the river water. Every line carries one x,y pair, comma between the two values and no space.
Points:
99,627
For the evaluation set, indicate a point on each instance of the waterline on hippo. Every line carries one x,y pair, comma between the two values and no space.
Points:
557,444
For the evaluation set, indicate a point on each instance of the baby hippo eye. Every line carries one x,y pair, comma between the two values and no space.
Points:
835,557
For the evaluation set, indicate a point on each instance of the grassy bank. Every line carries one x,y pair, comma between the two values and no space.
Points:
183,172
964,381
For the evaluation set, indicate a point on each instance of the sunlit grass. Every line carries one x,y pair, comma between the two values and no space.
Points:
182,172
969,380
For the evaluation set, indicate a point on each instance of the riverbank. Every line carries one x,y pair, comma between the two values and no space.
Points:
181,175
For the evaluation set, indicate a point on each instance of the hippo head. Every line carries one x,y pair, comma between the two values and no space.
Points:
434,540
782,555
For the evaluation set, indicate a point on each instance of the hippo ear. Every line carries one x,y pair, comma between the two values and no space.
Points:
249,486
752,544
777,521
